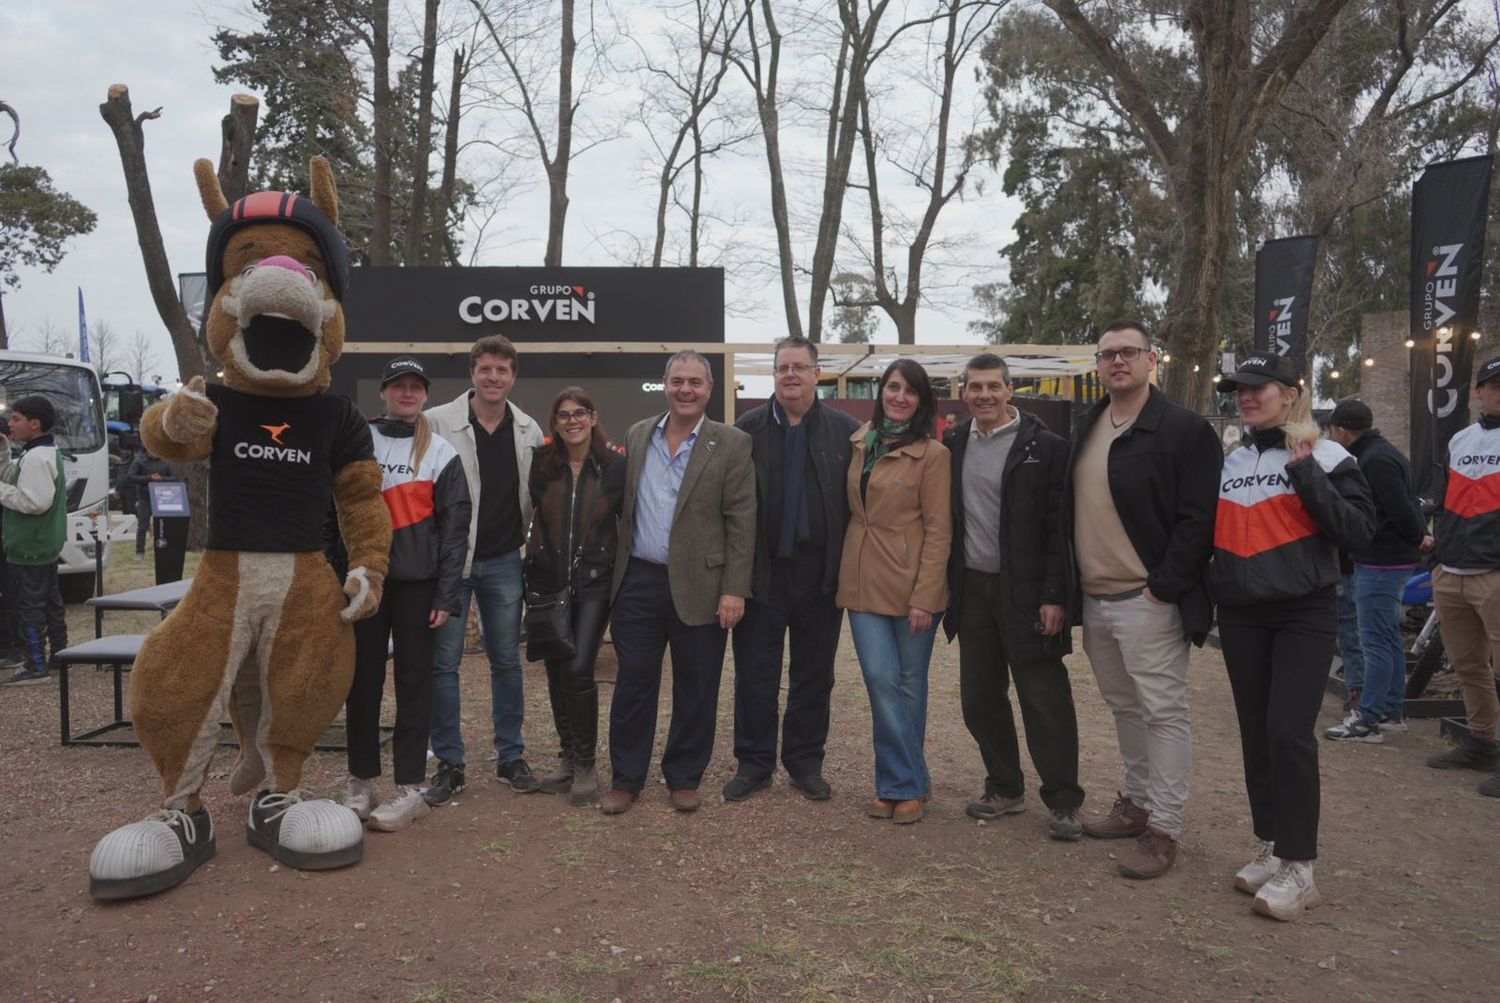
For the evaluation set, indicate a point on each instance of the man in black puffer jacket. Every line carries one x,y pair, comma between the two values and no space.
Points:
1008,583
1380,574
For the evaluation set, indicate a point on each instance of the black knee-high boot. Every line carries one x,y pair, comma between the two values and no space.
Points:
558,781
583,722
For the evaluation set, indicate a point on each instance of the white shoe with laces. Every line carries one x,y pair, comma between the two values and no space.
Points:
1253,875
1289,893
359,796
400,811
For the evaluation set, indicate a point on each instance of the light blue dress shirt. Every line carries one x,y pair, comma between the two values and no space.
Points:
656,494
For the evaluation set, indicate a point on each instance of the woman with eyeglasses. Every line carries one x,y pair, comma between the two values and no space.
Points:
1289,501
894,577
577,483
428,497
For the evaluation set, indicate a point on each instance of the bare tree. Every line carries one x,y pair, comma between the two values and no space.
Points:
140,357
107,347
527,60
442,205
48,337
680,87
421,149
238,129
963,25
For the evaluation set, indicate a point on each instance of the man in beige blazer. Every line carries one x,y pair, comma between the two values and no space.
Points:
682,572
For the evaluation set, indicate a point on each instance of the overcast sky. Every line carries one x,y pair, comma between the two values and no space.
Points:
62,56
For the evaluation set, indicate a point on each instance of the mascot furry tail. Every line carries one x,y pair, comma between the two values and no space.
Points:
264,634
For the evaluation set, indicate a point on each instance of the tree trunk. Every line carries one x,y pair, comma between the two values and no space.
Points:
238,138
422,148
766,106
1190,330
380,58
192,358
557,169
444,201
4,336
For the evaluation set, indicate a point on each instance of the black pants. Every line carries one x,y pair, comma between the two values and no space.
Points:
1277,655
645,625
570,683
39,612
796,605
1042,688
142,519
402,618
10,633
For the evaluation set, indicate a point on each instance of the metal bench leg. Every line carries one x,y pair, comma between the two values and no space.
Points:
62,701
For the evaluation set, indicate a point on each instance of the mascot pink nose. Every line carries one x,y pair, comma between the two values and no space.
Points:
290,264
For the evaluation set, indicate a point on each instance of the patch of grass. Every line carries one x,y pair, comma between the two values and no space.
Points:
1010,979
498,848
771,950
437,992
586,964
570,857
555,996
734,981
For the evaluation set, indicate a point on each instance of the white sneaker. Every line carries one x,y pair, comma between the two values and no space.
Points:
1260,870
1289,893
1355,729
1394,725
359,796
400,811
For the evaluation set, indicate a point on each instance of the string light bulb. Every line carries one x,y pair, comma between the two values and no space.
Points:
1333,374
1474,335
1167,357
1410,343
1369,363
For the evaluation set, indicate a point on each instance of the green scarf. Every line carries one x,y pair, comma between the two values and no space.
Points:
876,445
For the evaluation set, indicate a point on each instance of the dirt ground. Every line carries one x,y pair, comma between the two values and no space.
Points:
500,896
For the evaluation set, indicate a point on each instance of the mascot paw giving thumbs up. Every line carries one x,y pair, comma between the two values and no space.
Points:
264,634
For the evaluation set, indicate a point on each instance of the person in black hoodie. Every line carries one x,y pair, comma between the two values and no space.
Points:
137,478
1380,574
425,489
577,483
1008,588
1288,502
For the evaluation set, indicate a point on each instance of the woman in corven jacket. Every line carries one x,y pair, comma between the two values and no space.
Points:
576,486
428,497
1288,502
893,579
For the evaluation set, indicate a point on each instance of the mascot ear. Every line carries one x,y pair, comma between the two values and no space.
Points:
325,194
209,191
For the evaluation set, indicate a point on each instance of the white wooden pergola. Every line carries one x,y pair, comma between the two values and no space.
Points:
843,362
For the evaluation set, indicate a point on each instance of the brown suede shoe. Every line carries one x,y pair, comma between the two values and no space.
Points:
881,808
617,802
1151,856
1125,820
685,800
907,812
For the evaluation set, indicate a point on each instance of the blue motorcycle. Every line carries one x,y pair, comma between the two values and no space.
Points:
1426,655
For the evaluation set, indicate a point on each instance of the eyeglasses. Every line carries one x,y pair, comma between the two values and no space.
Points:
582,414
788,368
1128,354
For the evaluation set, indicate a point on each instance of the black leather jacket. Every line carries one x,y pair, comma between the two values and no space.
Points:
570,518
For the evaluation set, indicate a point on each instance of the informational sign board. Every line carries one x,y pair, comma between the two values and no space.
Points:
168,499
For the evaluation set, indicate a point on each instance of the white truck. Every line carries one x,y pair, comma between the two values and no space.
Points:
73,388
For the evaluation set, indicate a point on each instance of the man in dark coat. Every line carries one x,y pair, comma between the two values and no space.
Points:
1008,580
801,450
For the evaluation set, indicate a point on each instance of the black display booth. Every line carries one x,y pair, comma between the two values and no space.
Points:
449,308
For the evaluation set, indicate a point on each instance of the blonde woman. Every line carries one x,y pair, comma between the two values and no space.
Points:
428,498
1288,502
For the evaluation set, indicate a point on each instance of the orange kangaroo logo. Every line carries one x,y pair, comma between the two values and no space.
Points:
276,431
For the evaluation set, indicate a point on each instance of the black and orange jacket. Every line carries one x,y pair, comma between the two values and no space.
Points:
429,505
569,517
1281,525
1468,527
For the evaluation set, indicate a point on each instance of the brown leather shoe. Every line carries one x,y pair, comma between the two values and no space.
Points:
907,812
1126,820
616,801
685,800
1151,856
881,808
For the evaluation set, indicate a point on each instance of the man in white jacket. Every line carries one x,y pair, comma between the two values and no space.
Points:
495,440
33,493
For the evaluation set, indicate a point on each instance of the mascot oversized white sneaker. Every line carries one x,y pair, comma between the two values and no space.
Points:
265,633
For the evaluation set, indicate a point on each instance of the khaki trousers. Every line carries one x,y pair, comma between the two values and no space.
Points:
1140,659
1468,608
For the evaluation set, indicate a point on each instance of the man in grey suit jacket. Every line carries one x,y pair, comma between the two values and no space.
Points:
682,572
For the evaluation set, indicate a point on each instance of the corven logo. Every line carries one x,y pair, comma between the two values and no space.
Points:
546,302
1440,291
278,452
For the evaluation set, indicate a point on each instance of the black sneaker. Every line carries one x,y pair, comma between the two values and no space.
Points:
519,776
813,787
12,660
1468,754
1355,729
446,782
742,787
992,806
26,677
1064,824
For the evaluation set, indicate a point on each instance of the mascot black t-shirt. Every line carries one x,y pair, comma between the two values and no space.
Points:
270,478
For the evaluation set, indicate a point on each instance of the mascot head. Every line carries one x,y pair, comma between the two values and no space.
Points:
277,270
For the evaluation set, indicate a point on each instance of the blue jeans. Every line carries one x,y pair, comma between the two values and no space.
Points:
496,583
1377,593
894,662
1348,643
